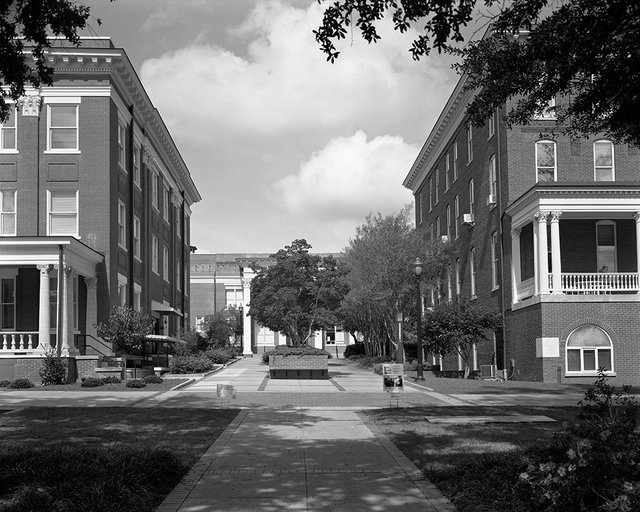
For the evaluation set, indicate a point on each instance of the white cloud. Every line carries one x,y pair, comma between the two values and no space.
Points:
349,178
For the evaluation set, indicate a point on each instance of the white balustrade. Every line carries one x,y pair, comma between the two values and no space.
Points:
15,341
599,282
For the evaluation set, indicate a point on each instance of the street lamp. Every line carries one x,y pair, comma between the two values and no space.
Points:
417,270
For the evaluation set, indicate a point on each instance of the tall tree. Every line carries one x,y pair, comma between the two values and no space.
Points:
27,30
581,52
456,327
223,326
299,294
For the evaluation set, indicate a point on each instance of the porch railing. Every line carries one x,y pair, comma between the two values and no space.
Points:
598,283
23,340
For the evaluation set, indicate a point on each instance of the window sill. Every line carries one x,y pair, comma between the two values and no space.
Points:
137,258
122,247
474,297
589,374
62,152
9,152
495,288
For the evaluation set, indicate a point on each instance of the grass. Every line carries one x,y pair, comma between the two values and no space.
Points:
166,385
95,459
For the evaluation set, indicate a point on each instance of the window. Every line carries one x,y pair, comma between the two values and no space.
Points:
62,128
177,218
472,271
122,290
492,124
546,111
8,132
449,231
7,303
165,263
456,215
449,288
455,160
606,255
122,146
588,349
62,218
493,188
458,277
545,160
430,183
136,166
603,161
472,199
469,144
233,297
166,196
154,253
431,231
419,207
438,234
155,182
137,297
7,212
495,252
178,276
436,185
122,225
447,170
136,238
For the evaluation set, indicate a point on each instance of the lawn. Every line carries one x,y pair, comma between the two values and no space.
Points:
166,385
113,458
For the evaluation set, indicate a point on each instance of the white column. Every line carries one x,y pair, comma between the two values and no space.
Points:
536,287
636,216
44,322
516,274
92,306
246,328
543,261
556,260
67,310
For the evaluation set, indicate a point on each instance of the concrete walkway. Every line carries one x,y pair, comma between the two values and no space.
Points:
283,454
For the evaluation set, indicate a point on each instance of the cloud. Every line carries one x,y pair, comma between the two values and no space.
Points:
349,178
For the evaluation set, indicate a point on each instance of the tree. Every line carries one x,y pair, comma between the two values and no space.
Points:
297,295
126,329
223,326
581,52
455,327
29,27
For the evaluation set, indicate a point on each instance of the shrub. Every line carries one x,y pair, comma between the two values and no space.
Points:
286,350
152,379
91,382
53,369
354,350
111,379
370,361
190,364
21,384
219,355
135,384
4,383
377,368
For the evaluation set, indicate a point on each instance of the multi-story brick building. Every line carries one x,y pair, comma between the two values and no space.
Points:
219,281
94,210
546,230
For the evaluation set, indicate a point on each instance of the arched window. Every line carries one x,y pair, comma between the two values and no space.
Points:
603,163
588,349
546,166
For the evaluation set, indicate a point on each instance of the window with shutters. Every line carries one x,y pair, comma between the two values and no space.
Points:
62,212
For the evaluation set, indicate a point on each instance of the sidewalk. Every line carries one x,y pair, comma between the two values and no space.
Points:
300,445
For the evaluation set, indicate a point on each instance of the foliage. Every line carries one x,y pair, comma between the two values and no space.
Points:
21,383
117,478
355,349
27,31
299,294
219,355
369,361
92,382
53,369
302,350
223,327
111,379
126,328
136,383
455,327
193,343
537,50
190,364
152,379
4,383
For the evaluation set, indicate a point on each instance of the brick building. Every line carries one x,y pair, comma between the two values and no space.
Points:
94,211
547,231
223,280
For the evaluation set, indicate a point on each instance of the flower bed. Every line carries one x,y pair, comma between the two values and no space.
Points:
298,363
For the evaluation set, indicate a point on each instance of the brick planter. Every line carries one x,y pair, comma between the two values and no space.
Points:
299,366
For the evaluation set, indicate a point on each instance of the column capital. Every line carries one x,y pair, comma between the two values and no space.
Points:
67,269
44,269
246,282
636,216
541,217
90,282
515,232
555,216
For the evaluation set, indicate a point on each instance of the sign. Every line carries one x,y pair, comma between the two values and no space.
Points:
392,377
226,391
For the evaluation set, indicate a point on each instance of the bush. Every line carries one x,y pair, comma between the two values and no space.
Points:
152,379
354,350
53,369
4,383
21,384
91,382
219,355
370,361
190,364
111,379
286,350
135,384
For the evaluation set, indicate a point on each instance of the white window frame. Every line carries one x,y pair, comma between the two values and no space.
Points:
122,290
137,297
436,185
472,197
166,200
458,277
177,218
456,214
50,213
583,349
493,177
455,160
137,176
122,225
492,124
447,170
122,146
449,230
165,264
12,278
60,103
5,131
469,143
419,206
438,232
613,160
610,249
546,111
178,270
155,192
4,213
472,272
555,160
430,184
495,284
154,254
137,238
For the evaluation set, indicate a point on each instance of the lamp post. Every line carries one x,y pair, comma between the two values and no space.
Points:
417,271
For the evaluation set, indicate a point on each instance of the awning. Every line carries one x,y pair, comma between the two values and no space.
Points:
163,308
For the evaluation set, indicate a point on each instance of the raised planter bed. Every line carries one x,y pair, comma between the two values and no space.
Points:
299,366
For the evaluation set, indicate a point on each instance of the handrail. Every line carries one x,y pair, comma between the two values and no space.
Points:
83,348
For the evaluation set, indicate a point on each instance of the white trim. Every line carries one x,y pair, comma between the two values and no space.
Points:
555,158
61,99
122,224
75,150
14,213
613,160
77,233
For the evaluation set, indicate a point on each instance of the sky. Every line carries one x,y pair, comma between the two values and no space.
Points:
280,143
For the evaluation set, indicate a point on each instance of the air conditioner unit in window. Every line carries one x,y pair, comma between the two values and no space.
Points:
491,199
444,238
467,218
